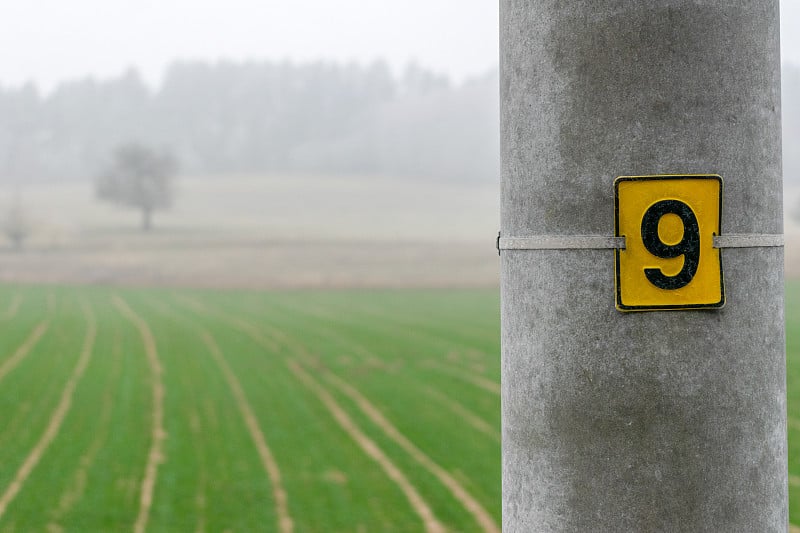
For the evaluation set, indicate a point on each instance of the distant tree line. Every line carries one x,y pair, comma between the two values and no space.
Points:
259,117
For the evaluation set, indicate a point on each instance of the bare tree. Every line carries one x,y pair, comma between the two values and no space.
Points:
139,177
16,226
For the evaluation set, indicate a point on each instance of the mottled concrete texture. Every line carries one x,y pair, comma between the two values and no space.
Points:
663,421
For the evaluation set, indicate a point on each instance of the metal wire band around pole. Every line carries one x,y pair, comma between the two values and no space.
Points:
748,240
603,242
561,242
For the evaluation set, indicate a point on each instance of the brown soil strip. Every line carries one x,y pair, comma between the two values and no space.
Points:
156,454
794,529
481,516
420,506
478,381
285,523
57,418
22,352
12,309
468,416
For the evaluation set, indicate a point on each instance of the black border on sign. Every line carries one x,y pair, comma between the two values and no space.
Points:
618,289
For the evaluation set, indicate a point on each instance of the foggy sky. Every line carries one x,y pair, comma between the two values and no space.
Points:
51,40
48,41
790,31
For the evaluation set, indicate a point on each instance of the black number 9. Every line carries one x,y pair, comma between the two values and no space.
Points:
689,247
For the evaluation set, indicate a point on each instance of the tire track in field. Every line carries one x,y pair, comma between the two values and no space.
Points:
156,454
370,448
73,493
793,423
268,461
481,516
468,416
471,418
459,493
285,522
24,349
418,503
12,309
58,415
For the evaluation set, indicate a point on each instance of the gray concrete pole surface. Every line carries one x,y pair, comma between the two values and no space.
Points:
644,421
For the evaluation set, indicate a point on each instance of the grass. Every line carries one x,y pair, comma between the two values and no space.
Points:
793,395
220,413
256,383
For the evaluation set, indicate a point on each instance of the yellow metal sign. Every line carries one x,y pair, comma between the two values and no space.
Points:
669,260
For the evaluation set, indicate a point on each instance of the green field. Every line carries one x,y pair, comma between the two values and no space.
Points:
251,411
233,411
793,395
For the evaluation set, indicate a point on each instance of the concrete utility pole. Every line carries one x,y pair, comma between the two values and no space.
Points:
617,420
